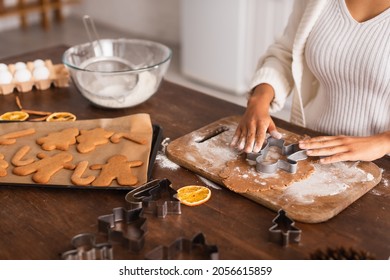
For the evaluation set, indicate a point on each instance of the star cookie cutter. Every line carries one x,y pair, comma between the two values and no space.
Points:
292,151
283,231
183,246
126,227
86,249
156,197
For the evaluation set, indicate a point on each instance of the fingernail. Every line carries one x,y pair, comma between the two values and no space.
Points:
276,134
256,149
322,160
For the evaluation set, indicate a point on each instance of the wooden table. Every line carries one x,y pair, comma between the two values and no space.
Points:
38,223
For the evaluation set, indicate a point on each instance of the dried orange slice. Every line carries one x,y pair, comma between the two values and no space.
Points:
193,195
61,117
14,116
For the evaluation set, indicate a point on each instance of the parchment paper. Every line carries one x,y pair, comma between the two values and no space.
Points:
139,124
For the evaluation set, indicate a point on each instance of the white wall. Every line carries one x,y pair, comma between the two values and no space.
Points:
270,21
220,40
153,19
216,36
223,39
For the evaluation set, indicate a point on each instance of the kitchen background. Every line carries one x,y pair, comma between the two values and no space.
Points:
215,43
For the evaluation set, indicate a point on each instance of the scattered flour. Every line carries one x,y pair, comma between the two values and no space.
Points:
165,162
382,191
190,157
263,183
385,180
209,183
217,155
327,180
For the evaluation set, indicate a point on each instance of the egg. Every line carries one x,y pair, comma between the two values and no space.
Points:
22,75
20,65
41,73
5,77
38,63
3,67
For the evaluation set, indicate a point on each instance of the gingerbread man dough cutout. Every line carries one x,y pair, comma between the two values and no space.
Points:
59,140
116,138
77,177
18,160
117,168
3,166
45,167
89,139
10,138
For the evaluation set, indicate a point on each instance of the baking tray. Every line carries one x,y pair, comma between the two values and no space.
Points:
156,143
155,146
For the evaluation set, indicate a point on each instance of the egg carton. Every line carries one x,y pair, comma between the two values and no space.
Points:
58,76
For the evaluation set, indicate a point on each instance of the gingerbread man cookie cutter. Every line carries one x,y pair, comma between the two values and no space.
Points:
126,227
185,246
87,249
292,151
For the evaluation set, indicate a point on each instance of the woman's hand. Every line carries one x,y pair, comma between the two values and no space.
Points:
256,121
345,148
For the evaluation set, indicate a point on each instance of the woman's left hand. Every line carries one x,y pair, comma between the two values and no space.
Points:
345,148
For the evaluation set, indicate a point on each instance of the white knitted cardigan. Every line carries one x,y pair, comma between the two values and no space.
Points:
284,65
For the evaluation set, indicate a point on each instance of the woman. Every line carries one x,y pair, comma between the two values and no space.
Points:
334,56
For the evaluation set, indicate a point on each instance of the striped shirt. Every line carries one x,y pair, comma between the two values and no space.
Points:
351,61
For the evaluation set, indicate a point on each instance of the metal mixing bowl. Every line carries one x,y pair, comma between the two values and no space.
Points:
118,73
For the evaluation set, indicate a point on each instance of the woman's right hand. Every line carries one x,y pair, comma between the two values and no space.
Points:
256,121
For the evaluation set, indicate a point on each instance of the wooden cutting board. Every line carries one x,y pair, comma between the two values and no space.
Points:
315,193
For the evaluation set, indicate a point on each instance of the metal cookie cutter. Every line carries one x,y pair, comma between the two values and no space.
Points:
126,227
292,151
193,248
86,249
283,231
156,197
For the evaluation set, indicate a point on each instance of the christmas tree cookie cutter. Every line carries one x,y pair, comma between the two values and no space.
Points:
156,197
283,231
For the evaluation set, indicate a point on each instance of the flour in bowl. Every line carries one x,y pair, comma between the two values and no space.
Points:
114,92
